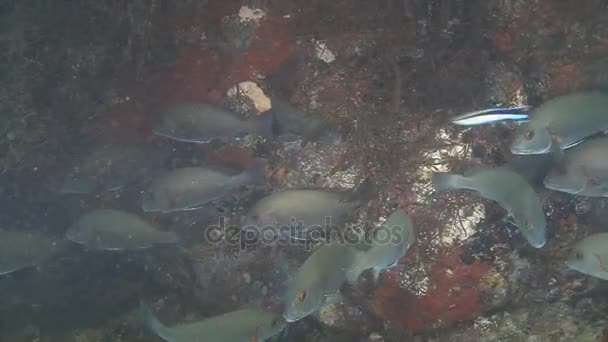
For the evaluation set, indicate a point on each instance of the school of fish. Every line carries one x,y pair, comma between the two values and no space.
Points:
569,129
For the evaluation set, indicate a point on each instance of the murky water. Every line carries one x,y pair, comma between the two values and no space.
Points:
194,121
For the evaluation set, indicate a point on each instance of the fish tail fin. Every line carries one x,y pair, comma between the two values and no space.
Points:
366,191
266,124
359,266
147,318
443,181
256,174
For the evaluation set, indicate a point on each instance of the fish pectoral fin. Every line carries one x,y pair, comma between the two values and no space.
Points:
558,154
331,297
602,264
511,221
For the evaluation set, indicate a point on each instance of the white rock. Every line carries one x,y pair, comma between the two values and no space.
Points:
323,53
250,89
251,14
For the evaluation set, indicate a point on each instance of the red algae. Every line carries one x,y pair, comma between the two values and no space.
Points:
452,295
191,79
503,41
128,123
204,74
564,78
272,45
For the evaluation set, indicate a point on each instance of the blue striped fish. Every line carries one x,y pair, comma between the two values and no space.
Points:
491,115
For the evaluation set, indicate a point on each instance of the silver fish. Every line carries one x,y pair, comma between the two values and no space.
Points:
590,256
297,213
562,122
192,187
318,280
24,249
108,229
491,115
245,325
111,167
510,190
295,124
388,245
201,123
583,170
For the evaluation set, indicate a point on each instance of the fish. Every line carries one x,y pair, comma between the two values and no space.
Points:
114,230
533,167
244,325
491,115
561,123
202,123
299,212
319,279
25,249
507,188
294,124
111,167
192,187
590,256
387,246
583,170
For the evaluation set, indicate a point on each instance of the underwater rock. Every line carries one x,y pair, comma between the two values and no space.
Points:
542,323
456,292
343,315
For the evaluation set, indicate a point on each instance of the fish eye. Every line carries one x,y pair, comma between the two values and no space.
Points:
301,295
579,256
529,135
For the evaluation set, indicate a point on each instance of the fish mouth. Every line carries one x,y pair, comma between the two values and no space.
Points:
529,151
573,267
292,318
537,242
170,134
148,207
554,185
173,137
71,236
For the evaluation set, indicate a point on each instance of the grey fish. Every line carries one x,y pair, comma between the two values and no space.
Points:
24,249
533,168
491,115
562,122
583,170
245,325
111,167
297,213
590,256
510,190
201,123
192,187
108,229
319,279
387,246
293,122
